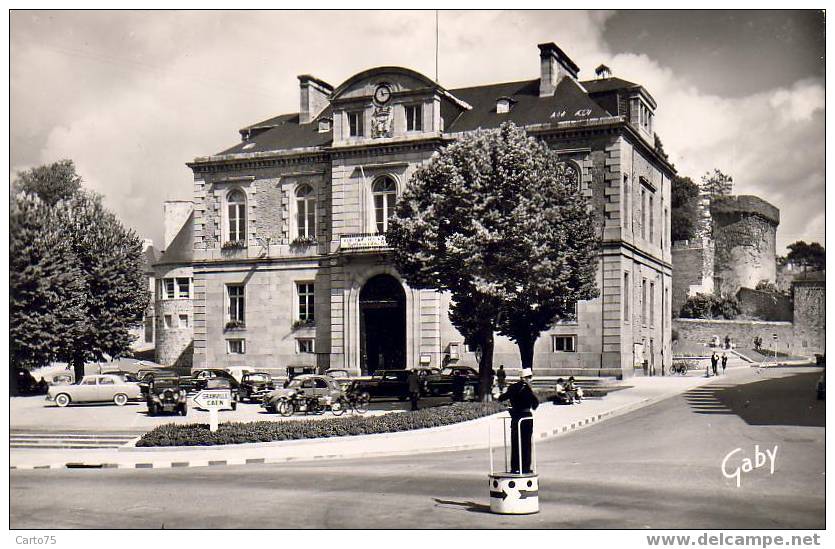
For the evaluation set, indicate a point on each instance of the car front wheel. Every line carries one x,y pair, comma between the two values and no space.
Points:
62,400
121,399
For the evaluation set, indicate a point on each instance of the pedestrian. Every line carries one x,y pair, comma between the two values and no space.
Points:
501,376
414,389
714,363
727,341
755,342
522,403
459,380
724,362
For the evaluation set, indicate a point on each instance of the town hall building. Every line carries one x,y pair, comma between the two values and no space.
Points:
289,258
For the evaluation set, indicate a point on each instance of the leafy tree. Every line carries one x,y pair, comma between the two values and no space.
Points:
52,183
717,183
493,219
684,210
808,255
96,253
711,306
46,292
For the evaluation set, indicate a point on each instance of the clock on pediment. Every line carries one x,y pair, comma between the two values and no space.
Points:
382,94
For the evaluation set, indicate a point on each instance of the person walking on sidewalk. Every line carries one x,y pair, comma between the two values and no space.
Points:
522,403
501,376
724,362
414,389
714,362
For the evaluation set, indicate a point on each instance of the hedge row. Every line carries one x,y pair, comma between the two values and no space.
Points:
198,434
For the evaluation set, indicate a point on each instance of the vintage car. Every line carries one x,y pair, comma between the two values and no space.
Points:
146,377
127,376
385,383
200,378
324,389
95,388
442,382
166,395
254,385
28,385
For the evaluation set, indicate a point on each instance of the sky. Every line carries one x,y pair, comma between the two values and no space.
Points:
132,96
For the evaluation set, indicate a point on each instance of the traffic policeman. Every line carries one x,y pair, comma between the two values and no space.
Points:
522,403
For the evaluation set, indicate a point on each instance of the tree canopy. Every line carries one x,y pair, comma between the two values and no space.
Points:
684,212
497,220
77,281
811,255
717,183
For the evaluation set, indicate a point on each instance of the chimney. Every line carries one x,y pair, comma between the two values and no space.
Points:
175,213
147,243
313,97
554,66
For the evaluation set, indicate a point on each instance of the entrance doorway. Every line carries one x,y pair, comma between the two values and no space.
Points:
382,307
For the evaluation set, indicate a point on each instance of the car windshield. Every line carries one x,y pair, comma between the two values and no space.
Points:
165,383
257,377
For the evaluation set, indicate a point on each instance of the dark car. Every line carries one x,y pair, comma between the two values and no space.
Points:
199,379
254,385
146,377
166,395
385,383
442,382
28,385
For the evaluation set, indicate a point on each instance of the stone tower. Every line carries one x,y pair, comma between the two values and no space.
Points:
745,239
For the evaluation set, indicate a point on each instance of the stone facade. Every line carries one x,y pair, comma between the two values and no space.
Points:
741,332
810,314
764,305
692,270
386,123
745,236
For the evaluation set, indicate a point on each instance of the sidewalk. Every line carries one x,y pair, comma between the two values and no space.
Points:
549,421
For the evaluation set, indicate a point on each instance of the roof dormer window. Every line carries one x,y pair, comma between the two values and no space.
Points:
325,125
504,104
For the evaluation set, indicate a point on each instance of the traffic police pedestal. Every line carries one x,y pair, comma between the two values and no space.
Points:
513,493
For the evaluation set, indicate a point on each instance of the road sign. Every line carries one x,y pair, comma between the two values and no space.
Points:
213,400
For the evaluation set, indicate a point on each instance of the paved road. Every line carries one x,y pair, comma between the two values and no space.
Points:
658,467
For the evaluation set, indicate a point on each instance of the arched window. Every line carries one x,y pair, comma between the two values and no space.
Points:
385,195
306,212
236,208
568,174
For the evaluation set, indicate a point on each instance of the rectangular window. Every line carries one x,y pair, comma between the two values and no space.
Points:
236,346
183,321
627,212
355,128
627,296
651,220
414,118
644,302
237,222
652,303
563,343
237,306
168,288
184,288
306,217
306,305
169,321
305,345
643,213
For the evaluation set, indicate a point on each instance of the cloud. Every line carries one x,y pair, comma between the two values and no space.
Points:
132,96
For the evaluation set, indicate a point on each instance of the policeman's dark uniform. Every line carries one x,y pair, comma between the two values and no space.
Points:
414,389
522,402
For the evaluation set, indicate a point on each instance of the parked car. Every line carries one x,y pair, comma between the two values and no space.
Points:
254,385
441,383
200,378
385,383
147,376
325,389
166,395
28,385
95,388
127,376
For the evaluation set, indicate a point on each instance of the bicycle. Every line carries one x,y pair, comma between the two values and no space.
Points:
679,368
358,402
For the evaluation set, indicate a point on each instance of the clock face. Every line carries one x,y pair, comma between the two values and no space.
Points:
382,94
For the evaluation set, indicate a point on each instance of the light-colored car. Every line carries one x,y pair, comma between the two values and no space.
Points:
95,388
324,388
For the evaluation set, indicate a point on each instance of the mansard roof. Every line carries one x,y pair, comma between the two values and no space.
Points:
572,101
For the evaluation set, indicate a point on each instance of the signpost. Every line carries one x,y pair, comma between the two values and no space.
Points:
213,401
